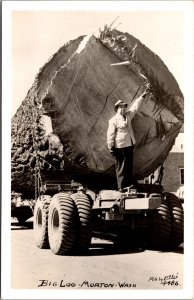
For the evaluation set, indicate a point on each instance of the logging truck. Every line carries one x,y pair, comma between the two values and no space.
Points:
62,125
67,214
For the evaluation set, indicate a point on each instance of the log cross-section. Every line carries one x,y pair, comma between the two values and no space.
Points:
73,97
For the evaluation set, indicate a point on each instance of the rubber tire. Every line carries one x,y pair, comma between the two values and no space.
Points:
176,210
62,224
160,226
41,222
84,235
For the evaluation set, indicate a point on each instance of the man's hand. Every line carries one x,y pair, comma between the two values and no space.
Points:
112,151
145,93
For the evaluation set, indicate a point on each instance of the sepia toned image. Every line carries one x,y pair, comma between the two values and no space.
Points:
97,123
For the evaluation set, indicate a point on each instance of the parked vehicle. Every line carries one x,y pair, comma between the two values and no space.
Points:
21,209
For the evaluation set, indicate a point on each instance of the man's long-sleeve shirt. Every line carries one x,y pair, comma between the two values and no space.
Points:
120,132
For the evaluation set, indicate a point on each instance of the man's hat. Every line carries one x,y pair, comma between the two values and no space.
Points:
120,103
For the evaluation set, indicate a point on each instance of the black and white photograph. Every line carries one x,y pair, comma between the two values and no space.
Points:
97,150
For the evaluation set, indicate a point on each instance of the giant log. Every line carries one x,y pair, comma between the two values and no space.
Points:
60,128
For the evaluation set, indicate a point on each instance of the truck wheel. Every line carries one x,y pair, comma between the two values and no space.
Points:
41,222
62,224
84,208
176,209
160,226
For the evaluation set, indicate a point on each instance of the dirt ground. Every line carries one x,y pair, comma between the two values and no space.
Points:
103,267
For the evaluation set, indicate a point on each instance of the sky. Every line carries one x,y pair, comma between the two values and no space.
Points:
38,34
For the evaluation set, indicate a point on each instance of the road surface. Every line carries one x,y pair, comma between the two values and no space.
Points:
103,267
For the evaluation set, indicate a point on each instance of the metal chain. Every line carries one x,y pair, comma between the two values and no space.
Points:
37,175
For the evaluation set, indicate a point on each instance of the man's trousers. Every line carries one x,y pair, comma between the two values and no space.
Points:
124,166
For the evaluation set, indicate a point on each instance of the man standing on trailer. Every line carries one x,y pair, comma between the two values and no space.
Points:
120,140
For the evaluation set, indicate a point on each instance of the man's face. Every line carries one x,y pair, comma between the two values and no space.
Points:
121,109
